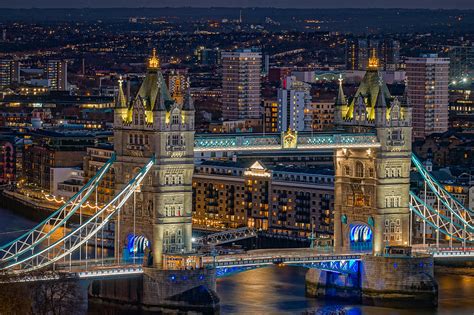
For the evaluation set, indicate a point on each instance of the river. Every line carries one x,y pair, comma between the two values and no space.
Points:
280,290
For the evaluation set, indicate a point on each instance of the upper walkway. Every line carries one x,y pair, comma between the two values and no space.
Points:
283,141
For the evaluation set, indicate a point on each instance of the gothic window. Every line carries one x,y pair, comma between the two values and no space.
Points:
130,139
175,117
141,118
349,200
399,172
135,139
371,172
136,119
146,139
387,172
347,170
141,139
359,169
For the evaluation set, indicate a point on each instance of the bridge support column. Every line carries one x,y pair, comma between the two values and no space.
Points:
160,290
381,281
395,281
328,284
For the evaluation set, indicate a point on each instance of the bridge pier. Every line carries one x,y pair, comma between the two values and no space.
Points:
160,290
381,281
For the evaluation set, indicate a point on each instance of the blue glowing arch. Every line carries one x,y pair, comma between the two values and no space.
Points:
137,244
360,236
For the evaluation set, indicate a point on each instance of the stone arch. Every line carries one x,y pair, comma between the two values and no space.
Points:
359,236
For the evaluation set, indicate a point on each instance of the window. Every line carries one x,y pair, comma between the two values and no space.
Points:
359,169
347,170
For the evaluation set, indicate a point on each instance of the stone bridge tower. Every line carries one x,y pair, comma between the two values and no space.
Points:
372,186
151,124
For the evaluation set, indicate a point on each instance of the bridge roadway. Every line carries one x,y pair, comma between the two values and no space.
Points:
111,268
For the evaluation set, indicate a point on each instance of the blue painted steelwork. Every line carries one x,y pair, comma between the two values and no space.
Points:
350,266
222,272
31,240
305,141
76,238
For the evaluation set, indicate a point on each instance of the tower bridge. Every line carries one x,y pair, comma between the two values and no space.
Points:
154,144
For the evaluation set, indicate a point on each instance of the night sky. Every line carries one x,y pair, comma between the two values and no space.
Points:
430,4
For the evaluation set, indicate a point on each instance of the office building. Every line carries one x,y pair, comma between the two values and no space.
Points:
9,72
241,84
359,50
427,83
294,105
56,73
461,64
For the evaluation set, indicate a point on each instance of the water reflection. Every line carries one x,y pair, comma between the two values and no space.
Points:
281,290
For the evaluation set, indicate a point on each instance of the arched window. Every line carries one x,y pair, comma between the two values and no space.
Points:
130,138
146,139
141,139
136,139
359,169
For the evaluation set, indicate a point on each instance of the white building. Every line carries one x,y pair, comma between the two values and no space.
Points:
65,181
294,105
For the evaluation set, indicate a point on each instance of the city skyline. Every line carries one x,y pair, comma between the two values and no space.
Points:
299,4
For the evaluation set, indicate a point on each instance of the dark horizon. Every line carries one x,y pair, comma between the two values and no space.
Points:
277,4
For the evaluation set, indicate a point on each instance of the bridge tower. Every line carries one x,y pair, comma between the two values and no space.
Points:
372,186
151,124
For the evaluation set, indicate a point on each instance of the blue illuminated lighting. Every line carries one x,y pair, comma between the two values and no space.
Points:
137,244
201,277
360,236
395,265
173,277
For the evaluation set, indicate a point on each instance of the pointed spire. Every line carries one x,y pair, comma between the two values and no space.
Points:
373,61
188,100
381,101
154,61
341,98
121,100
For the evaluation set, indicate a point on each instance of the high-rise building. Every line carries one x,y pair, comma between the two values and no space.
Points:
270,121
359,50
390,54
428,78
241,84
9,72
56,73
356,54
207,56
294,105
461,64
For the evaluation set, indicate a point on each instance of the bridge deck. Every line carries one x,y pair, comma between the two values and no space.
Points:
275,141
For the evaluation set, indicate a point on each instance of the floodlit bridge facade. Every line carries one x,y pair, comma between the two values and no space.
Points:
155,144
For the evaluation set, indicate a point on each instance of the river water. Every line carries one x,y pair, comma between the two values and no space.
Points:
280,290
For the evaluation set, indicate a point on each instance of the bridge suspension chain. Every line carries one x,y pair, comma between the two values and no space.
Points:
29,241
69,243
453,220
